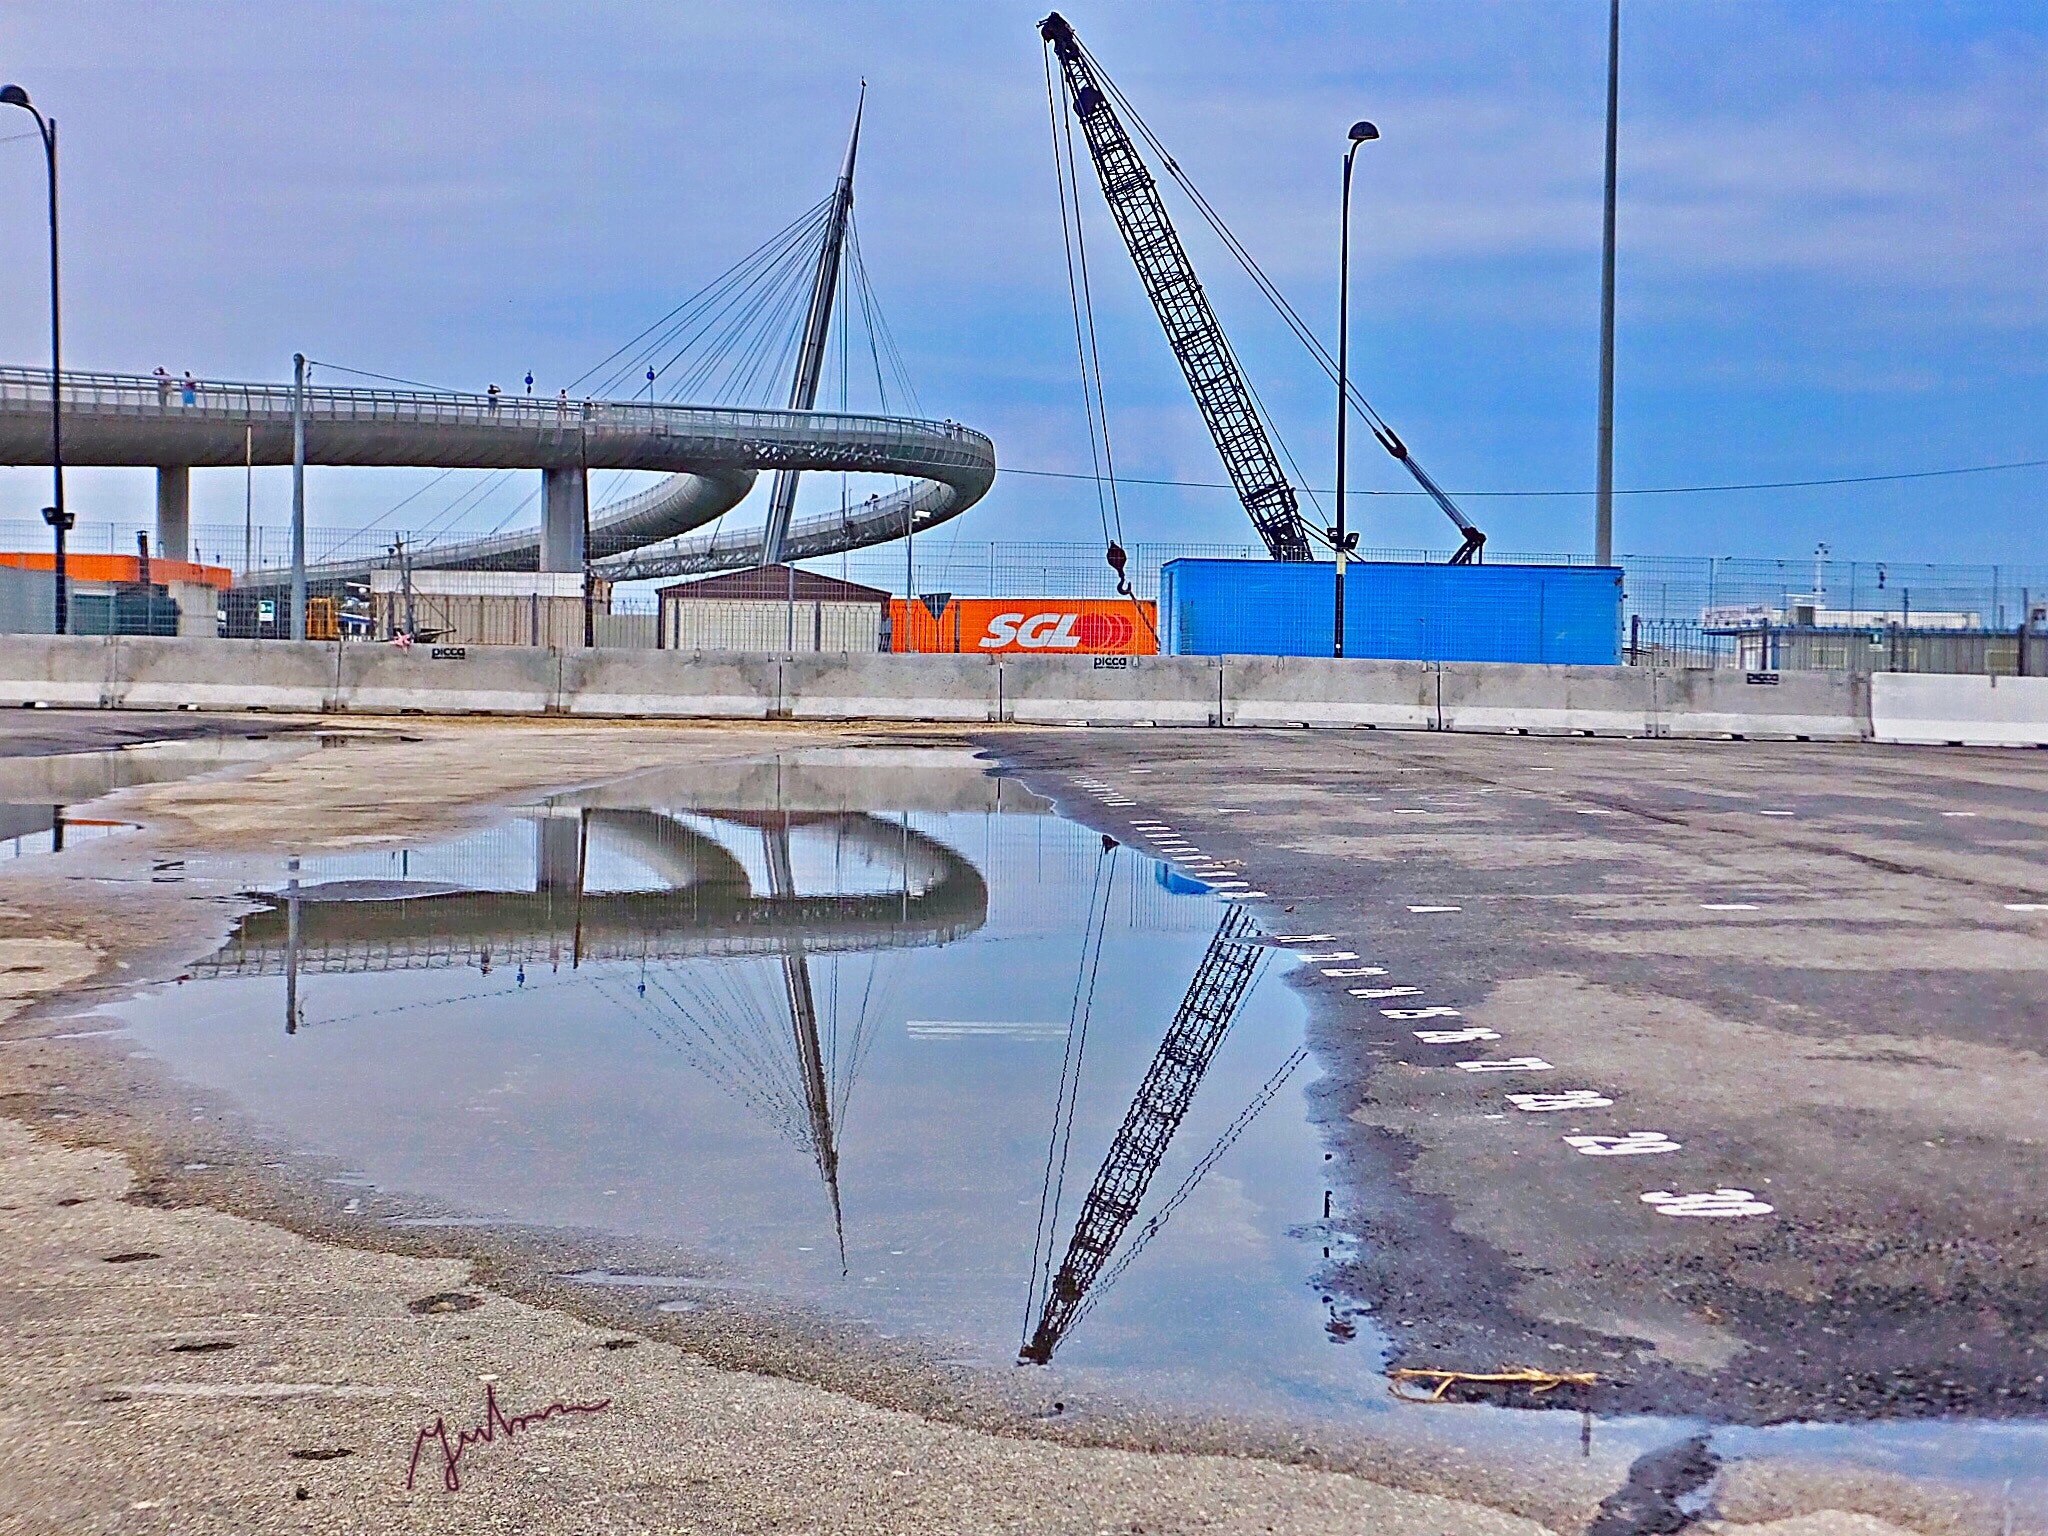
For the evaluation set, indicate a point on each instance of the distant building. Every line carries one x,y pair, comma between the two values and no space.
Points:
774,608
107,595
543,608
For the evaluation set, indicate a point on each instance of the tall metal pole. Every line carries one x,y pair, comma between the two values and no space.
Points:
248,497
583,484
298,495
1603,506
59,519
1340,536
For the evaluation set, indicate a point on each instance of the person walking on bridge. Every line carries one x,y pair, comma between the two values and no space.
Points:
190,393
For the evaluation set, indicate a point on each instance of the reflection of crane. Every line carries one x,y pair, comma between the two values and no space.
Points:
1228,406
1190,1044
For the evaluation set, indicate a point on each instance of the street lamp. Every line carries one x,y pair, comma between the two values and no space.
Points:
1341,541
57,517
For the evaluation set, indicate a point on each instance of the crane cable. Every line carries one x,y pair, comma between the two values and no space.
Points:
1223,1143
1054,1185
1389,439
1080,298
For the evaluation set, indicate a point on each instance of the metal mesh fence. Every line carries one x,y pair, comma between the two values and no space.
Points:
1673,604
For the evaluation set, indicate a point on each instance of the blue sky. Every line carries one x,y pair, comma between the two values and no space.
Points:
1834,230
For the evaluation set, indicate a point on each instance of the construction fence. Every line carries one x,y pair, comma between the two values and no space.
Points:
1690,612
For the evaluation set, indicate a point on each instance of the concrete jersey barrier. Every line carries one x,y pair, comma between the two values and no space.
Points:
92,672
1936,710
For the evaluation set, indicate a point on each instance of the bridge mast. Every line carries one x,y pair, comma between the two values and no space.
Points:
810,361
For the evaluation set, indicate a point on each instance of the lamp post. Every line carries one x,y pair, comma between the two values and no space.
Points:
1603,503
59,519
1341,540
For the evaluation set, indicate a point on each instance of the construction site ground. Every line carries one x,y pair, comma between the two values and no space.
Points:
1821,971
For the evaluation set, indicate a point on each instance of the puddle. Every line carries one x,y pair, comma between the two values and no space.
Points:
26,830
877,1034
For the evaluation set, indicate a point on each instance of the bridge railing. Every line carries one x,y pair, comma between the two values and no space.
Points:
25,390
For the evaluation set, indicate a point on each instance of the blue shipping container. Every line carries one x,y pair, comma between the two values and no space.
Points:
1406,612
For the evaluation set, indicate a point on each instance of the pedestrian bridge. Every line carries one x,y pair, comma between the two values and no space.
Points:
711,456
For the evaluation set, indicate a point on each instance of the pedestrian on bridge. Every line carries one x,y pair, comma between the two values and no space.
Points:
491,395
163,386
191,389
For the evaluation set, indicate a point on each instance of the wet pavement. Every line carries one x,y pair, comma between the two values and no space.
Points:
752,1011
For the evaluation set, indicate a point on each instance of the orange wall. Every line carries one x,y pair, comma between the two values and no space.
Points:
1028,626
118,568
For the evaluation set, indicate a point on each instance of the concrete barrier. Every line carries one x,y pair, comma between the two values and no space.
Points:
849,686
1762,706
79,671
1929,709
718,685
452,679
162,673
62,671
1315,690
1109,690
1546,701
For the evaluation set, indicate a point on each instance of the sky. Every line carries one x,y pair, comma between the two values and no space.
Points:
1833,238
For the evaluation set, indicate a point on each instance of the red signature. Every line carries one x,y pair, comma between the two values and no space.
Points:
483,1434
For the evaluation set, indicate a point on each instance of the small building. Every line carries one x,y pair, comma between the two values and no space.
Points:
773,608
540,608
108,594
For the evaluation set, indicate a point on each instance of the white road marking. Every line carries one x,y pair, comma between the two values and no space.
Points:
1571,1098
1436,909
1355,970
1411,813
1776,813
1589,810
1303,938
1721,1202
1335,954
1454,1036
1420,1013
1237,895
1958,813
2026,906
1633,1144
1386,991
1508,1064
1729,906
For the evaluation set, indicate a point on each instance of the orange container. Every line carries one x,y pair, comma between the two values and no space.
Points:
116,569
1027,626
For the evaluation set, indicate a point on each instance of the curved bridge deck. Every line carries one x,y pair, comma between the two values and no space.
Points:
711,454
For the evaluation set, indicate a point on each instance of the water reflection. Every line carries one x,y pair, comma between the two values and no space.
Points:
1162,1101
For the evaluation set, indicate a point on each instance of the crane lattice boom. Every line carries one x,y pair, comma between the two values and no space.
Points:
1190,1044
1198,342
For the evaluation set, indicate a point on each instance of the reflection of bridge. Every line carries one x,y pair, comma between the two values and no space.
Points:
707,907
711,455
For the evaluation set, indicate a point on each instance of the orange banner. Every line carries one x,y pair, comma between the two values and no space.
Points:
1046,626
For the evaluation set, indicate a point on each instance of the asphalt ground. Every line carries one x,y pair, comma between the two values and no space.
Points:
1805,987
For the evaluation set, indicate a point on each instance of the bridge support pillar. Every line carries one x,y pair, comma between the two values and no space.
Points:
561,519
558,853
174,511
